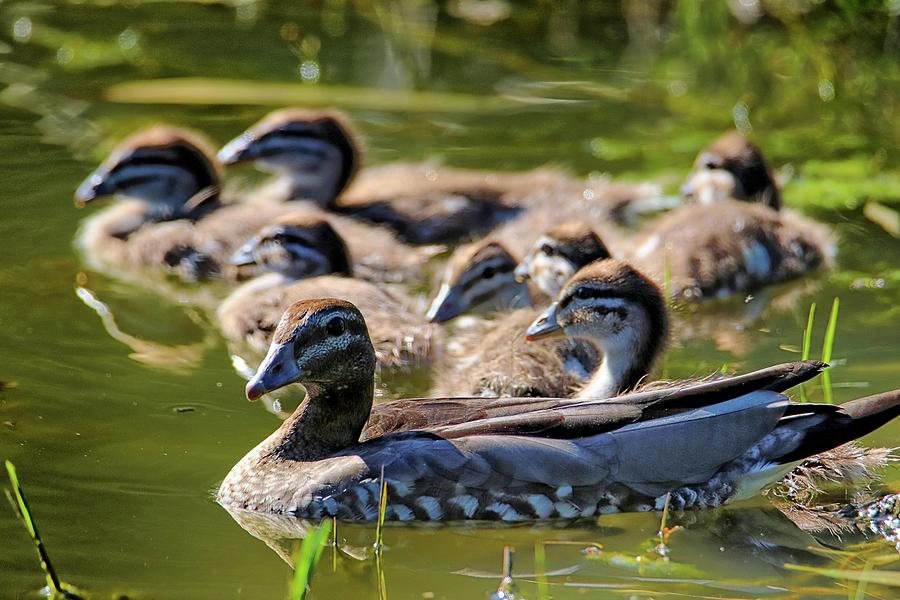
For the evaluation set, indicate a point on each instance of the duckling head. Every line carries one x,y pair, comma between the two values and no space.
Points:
731,167
318,343
479,278
296,247
171,170
612,305
558,254
314,150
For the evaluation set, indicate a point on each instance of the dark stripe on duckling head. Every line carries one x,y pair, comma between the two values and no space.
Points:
578,243
615,279
331,127
484,252
166,145
317,233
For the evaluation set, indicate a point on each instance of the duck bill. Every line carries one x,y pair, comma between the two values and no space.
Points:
545,326
277,370
241,149
91,188
446,305
246,255
521,272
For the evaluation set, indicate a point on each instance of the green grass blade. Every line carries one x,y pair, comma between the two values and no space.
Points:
827,348
382,509
828,344
807,333
25,514
306,558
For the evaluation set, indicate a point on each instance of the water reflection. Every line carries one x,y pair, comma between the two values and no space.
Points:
701,552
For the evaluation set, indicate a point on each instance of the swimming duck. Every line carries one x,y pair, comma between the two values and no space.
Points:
304,257
513,359
484,277
493,358
735,237
731,167
513,459
558,254
315,154
171,215
480,279
622,312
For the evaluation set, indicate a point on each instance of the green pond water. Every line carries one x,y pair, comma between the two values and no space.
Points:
121,440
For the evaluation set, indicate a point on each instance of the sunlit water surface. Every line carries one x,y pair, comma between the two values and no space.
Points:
121,442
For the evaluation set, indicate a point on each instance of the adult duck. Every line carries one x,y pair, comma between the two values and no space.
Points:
513,459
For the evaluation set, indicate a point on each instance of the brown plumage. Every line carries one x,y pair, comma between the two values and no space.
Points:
514,459
730,247
732,167
172,217
479,278
376,253
422,203
298,253
493,359
401,336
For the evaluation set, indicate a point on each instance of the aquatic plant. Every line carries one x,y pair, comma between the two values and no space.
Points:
20,506
306,558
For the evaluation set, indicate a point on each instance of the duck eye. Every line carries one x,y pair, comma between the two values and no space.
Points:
488,272
711,165
582,293
547,249
335,326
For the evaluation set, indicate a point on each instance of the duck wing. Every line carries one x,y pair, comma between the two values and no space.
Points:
565,417
493,476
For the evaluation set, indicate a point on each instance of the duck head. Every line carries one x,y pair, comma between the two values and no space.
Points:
296,246
731,167
314,150
319,343
558,254
171,170
479,278
612,305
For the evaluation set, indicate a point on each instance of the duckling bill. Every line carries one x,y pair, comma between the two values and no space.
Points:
512,459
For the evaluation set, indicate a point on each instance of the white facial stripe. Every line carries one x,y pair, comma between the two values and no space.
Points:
438,300
710,185
550,273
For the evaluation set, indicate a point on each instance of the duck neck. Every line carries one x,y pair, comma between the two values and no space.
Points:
622,369
330,419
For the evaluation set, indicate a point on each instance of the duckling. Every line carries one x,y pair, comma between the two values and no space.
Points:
731,167
477,278
510,459
377,255
304,257
621,311
316,154
725,245
558,254
171,216
480,279
493,359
